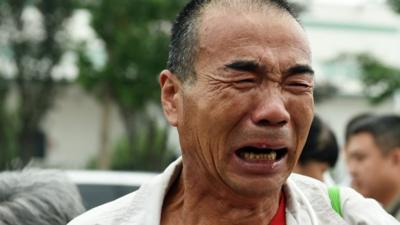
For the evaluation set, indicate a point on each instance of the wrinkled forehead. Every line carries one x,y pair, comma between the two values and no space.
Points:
240,7
243,5
221,24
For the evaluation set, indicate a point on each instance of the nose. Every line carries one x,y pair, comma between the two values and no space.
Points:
270,110
351,168
353,175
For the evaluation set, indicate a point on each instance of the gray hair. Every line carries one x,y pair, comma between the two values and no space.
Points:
184,41
38,197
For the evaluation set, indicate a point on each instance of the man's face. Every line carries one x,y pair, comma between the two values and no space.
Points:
243,122
369,168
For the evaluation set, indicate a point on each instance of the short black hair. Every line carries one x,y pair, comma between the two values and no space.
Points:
385,129
183,46
354,120
321,144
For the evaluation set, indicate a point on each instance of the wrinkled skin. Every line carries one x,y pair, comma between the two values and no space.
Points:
253,87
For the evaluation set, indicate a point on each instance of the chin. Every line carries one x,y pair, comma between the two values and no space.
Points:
362,192
258,187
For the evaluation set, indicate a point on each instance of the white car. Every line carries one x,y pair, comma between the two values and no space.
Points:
98,187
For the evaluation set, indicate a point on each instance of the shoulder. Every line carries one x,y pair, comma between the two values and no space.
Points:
306,181
308,201
138,208
359,210
106,213
355,208
307,185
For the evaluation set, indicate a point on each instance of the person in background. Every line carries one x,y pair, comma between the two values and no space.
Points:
353,121
373,159
37,197
320,152
239,89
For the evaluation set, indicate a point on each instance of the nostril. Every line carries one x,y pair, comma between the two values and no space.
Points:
271,123
282,123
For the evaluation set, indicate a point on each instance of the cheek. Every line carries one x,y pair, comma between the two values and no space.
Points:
370,172
371,165
301,110
209,119
224,109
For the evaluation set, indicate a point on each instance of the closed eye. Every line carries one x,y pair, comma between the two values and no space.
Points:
299,78
299,85
245,83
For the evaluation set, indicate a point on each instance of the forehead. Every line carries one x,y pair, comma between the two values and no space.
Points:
233,28
362,143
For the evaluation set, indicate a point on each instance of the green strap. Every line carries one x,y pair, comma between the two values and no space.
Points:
334,195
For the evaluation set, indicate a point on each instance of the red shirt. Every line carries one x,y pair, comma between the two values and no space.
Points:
280,216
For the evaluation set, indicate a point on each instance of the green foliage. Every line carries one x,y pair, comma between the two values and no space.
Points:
324,91
136,37
7,129
136,47
8,150
380,80
149,153
35,45
395,4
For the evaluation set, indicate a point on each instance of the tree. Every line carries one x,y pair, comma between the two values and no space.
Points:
33,33
395,4
150,149
136,36
324,91
7,138
380,81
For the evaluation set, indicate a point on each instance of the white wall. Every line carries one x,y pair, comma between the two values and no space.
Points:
73,129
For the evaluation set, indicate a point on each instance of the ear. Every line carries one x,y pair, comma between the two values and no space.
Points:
395,157
170,86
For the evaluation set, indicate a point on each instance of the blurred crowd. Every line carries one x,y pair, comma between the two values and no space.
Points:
371,152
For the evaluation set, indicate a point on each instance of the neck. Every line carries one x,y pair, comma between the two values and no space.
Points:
390,195
191,202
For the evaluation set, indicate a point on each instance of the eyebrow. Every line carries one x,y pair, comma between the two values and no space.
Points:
254,66
300,69
244,65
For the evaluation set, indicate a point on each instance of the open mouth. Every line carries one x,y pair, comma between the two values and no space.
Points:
261,154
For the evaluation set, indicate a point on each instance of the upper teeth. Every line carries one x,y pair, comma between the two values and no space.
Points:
254,156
